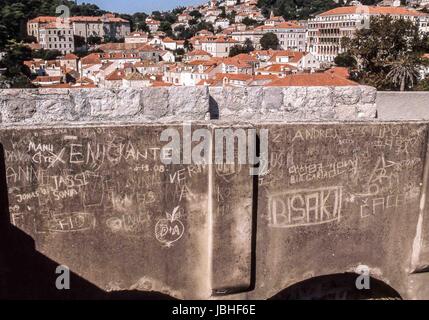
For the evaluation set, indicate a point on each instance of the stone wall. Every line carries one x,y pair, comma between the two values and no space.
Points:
403,105
295,103
186,103
100,200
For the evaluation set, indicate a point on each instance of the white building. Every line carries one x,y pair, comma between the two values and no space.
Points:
137,37
253,35
171,44
221,23
327,29
153,25
218,46
292,36
85,26
55,36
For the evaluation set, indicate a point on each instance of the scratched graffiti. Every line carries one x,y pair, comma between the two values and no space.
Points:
326,174
305,207
170,229
106,179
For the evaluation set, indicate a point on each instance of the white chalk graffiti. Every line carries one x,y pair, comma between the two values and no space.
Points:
169,230
305,207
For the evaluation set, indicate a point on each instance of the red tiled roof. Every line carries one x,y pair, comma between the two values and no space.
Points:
289,25
202,62
294,56
245,57
339,71
277,68
236,62
104,18
43,19
312,80
116,75
265,77
199,53
70,56
93,58
47,79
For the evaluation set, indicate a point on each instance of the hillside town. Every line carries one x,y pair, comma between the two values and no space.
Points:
244,48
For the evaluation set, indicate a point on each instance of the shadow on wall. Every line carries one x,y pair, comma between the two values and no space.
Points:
213,109
337,287
25,273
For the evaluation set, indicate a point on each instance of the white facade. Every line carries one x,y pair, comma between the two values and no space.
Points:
137,37
291,37
327,29
221,23
218,47
57,37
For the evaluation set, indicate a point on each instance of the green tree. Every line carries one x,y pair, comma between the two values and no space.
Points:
196,14
345,60
238,49
79,41
46,54
295,9
423,85
231,16
166,27
14,15
139,22
269,41
178,10
17,74
380,49
188,45
92,40
404,72
249,21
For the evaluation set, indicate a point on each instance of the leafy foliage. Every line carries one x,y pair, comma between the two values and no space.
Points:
238,49
269,41
46,54
295,9
15,14
17,73
249,22
345,60
387,53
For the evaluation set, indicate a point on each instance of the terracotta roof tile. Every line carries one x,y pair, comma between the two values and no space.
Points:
43,19
339,71
116,75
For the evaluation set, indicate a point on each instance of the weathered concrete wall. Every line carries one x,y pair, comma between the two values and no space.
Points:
403,105
98,199
187,103
294,103
340,196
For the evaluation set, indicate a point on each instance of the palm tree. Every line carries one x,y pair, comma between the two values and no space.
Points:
404,72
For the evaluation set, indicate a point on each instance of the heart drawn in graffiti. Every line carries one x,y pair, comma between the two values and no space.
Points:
169,229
